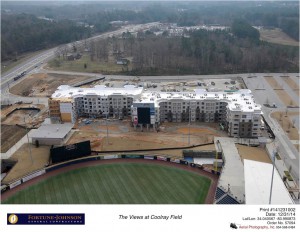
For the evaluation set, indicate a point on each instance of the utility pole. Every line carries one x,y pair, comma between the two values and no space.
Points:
29,148
272,178
189,124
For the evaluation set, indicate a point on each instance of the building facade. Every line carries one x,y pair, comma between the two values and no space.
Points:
236,112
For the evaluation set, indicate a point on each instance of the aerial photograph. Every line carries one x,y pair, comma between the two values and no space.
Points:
150,102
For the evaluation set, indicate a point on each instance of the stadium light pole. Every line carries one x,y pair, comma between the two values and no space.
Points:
190,125
106,129
29,148
272,178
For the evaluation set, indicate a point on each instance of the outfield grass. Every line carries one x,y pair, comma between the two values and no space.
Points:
123,183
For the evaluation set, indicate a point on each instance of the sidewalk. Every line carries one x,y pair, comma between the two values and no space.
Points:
232,176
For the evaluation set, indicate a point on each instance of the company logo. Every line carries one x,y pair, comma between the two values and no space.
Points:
233,226
13,219
45,219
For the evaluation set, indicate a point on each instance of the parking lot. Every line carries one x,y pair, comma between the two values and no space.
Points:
220,84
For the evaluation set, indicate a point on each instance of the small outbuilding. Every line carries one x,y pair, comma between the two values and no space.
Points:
51,134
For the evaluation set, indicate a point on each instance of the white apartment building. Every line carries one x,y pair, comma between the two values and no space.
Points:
237,112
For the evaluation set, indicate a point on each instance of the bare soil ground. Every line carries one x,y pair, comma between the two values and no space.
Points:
293,85
271,80
282,94
17,117
253,153
123,137
43,84
24,165
286,124
285,98
10,135
277,36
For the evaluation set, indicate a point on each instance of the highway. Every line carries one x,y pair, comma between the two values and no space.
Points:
30,64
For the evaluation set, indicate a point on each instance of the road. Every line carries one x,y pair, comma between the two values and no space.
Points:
30,64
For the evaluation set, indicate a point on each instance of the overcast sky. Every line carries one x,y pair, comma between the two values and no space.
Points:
143,0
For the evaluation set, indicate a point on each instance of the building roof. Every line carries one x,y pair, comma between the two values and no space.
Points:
258,184
241,100
51,131
66,91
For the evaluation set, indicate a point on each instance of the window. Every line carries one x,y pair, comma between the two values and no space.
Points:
244,116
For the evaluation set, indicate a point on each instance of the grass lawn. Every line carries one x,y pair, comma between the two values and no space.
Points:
123,183
277,36
92,66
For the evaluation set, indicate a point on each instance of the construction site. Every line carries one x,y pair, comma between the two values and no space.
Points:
115,136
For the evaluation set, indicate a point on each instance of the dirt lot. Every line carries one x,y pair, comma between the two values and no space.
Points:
282,94
123,137
277,36
44,85
271,80
286,123
24,166
17,117
10,135
285,98
253,153
293,85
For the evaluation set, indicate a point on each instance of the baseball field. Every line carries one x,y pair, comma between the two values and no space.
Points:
117,183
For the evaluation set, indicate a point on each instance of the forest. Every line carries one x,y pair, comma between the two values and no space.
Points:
238,50
22,31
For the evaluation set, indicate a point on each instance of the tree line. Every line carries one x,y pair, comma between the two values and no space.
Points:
198,52
23,33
